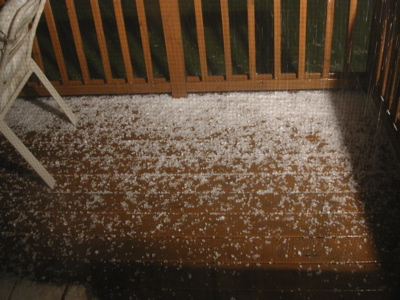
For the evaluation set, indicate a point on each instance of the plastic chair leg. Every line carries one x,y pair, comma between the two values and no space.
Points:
35,68
26,154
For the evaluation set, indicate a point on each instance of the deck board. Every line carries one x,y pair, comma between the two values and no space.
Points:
260,195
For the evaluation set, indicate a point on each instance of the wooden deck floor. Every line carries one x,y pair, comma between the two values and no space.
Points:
222,196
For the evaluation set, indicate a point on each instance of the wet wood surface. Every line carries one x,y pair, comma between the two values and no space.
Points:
166,209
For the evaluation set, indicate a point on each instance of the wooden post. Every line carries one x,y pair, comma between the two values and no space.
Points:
51,25
330,11
251,25
350,33
302,39
226,38
174,46
277,39
144,35
119,18
101,39
76,34
201,41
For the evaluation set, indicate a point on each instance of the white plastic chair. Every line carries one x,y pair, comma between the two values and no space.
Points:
18,23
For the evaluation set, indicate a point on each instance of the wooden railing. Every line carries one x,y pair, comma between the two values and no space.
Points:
181,46
384,61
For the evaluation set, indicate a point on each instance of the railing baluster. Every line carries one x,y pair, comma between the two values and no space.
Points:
395,86
277,39
396,75
201,39
302,38
37,55
119,17
251,24
383,19
350,31
389,45
396,94
397,119
387,67
48,13
330,11
395,81
101,40
226,38
76,34
144,33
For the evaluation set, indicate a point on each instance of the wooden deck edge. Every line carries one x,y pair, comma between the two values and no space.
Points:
193,87
271,85
95,89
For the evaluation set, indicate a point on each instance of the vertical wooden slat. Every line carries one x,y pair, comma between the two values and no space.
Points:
350,31
376,28
372,48
302,38
277,39
251,24
174,46
383,22
393,58
388,58
395,82
226,38
396,94
37,55
389,49
398,113
48,13
201,39
330,11
101,40
119,16
396,85
144,33
76,34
